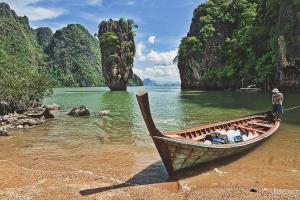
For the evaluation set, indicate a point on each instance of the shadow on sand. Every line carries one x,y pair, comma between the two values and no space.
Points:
156,173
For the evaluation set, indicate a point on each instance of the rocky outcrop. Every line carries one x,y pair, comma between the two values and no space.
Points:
288,31
199,51
231,43
74,58
117,50
32,117
79,111
44,35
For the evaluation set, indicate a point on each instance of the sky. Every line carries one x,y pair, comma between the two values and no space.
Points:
161,25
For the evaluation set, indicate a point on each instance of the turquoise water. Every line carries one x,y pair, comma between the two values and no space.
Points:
172,109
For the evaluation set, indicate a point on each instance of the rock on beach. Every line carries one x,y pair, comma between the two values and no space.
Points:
79,111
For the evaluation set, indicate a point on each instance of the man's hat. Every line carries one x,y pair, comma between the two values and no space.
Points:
275,90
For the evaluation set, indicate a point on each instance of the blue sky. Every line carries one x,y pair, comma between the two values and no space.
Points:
162,23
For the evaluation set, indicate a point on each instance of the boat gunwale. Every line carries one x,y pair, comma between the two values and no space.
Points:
210,125
222,146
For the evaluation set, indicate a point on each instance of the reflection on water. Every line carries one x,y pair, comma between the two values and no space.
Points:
118,147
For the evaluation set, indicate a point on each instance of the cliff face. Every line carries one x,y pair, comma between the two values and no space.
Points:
231,43
44,35
288,31
74,58
117,50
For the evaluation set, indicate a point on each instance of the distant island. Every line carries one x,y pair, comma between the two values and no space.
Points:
149,82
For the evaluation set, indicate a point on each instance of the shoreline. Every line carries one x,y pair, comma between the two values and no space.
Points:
32,117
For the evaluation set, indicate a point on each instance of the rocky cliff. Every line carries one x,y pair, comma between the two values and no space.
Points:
44,35
117,50
288,37
235,43
74,58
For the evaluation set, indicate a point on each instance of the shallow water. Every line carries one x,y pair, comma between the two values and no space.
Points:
69,154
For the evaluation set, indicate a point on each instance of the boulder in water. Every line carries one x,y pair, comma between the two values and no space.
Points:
104,113
79,111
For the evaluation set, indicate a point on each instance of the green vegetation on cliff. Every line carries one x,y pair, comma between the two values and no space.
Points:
20,60
74,58
44,35
135,81
117,50
230,41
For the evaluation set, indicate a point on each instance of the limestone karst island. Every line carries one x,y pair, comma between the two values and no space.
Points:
140,99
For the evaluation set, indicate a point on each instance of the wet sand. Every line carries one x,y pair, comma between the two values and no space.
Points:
32,170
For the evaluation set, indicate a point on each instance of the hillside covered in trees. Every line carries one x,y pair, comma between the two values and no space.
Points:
74,58
21,59
234,43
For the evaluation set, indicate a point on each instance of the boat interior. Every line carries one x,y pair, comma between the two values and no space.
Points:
257,124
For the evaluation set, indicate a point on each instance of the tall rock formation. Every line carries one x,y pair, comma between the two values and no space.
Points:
74,58
44,35
288,34
117,50
236,42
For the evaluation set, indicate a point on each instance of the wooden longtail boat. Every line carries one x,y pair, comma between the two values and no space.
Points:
186,148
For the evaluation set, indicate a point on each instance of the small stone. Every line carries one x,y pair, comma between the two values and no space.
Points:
28,145
19,126
253,190
26,126
79,111
104,113
4,133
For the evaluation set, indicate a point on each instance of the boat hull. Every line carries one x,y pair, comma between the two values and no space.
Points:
186,148
179,155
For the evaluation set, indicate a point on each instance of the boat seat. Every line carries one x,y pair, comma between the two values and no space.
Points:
178,137
261,124
250,129
200,137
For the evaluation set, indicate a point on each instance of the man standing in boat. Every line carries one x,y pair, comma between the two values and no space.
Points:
277,99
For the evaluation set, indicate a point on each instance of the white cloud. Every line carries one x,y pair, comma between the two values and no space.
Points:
34,12
152,39
162,58
161,73
156,65
158,58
